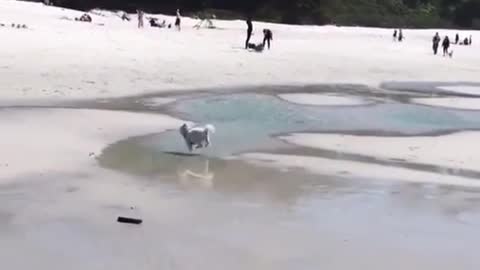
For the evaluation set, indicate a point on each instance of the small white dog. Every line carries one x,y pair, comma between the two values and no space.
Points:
198,137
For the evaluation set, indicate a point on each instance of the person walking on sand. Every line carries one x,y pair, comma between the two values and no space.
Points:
436,42
267,37
178,21
400,35
470,40
140,18
445,45
249,31
395,35
457,39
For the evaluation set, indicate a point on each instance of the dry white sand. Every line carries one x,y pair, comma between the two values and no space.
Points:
36,142
158,101
450,102
463,89
454,151
323,99
59,58
359,170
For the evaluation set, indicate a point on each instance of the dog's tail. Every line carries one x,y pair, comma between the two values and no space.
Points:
210,128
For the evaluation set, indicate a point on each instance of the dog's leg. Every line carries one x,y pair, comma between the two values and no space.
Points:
190,146
207,141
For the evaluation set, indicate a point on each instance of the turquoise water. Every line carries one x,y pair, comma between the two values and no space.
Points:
246,122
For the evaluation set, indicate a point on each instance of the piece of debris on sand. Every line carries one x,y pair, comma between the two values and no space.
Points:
129,220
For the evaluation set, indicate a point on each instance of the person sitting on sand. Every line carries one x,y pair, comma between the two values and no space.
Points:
125,17
256,47
84,18
436,42
267,37
153,22
465,42
445,45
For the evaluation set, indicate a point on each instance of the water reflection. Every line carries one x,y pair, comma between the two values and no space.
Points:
189,176
226,176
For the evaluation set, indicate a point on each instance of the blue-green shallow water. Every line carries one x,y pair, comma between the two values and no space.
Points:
246,122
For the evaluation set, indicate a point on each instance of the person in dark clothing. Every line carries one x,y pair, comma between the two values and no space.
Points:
125,17
457,38
267,37
400,35
178,20
436,42
154,23
445,45
395,35
140,15
470,40
84,18
249,31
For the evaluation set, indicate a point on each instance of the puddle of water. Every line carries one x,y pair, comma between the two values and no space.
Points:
231,176
267,114
247,122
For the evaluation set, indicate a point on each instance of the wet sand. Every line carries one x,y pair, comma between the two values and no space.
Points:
220,211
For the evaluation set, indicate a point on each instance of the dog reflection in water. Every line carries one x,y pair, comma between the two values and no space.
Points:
190,178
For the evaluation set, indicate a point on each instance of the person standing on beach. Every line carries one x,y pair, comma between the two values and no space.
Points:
249,31
395,35
470,40
445,45
267,37
400,35
178,20
140,18
457,38
436,42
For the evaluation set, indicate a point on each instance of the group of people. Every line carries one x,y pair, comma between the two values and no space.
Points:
84,18
446,43
465,41
267,37
398,34
154,22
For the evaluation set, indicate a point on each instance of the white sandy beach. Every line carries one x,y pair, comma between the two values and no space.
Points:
451,151
41,141
450,102
59,207
58,58
463,89
361,170
323,99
